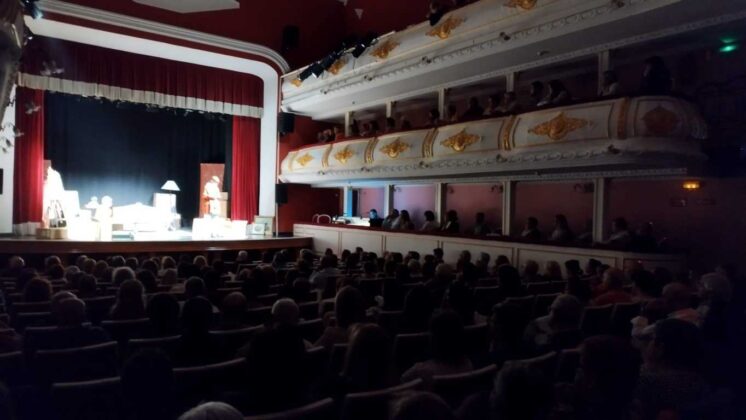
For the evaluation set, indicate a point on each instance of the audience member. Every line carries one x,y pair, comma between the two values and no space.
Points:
558,95
509,104
612,291
87,287
390,125
373,219
656,79
368,363
433,118
327,274
196,346
536,94
122,274
163,312
493,106
349,309
436,12
509,281
460,299
148,386
621,237
481,228
430,224
562,231
552,271
678,298
644,240
610,86
403,222
212,411
573,270
531,231
531,272
233,311
557,331
37,290
646,286
483,265
388,222
452,113
130,303
418,405
72,328
474,110
447,350
418,307
451,225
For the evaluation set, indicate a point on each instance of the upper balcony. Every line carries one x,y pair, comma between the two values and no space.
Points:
490,39
649,133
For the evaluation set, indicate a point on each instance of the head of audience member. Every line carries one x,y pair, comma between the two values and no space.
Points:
58,297
393,214
609,370
121,274
429,216
16,263
509,280
452,216
99,270
438,254
52,260
433,116
368,362
130,303
501,260
117,261
242,257
285,313
483,263
200,261
212,411
148,280
232,310
37,290
70,312
556,88
132,263
414,267
70,272
656,69
493,101
677,296
193,287
87,286
537,91
609,78
196,316
479,218
474,104
404,217
149,265
532,223
715,289
168,262
373,214
646,285
418,307
56,273
509,99
592,267
619,225
443,274
447,338
163,312
572,267
452,112
560,222
88,265
390,124
461,301
675,345
520,392
148,385
420,405
613,279
349,307
531,270
553,271
565,313
464,258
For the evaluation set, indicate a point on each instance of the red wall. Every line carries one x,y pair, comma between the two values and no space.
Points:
305,201
416,199
469,199
370,198
545,200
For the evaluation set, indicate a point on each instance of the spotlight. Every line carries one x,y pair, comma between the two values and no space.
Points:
305,74
317,69
364,44
329,60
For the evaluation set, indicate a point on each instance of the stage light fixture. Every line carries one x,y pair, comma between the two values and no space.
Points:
316,69
305,74
364,44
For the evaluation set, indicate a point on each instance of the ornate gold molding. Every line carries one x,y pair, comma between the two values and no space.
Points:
370,149
523,4
395,148
506,132
621,123
559,127
325,157
304,160
660,122
337,66
427,144
344,155
443,30
297,82
382,51
460,141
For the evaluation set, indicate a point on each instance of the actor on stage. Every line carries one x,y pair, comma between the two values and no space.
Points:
53,194
211,195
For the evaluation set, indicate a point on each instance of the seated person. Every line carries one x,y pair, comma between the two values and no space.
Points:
374,220
531,272
509,104
644,240
388,222
557,331
433,118
610,86
447,350
474,110
656,78
481,228
451,225
452,113
368,363
349,309
620,237
130,303
531,231
403,222
72,329
536,94
430,224
562,231
197,346
558,95
483,265
612,289
327,272
493,105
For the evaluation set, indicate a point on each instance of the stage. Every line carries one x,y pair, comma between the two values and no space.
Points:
161,243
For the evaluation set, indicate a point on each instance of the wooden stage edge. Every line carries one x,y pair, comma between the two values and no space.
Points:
23,245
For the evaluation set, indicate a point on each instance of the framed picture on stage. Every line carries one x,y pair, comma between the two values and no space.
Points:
268,222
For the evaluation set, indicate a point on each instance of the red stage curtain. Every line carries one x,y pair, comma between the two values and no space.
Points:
28,176
107,67
245,169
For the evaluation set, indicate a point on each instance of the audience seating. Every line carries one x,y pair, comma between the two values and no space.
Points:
89,400
410,349
76,364
567,365
542,304
621,318
320,410
259,316
326,305
309,310
123,330
455,388
337,358
476,340
485,298
546,364
526,303
389,320
373,405
195,384
167,344
98,308
33,319
596,320
311,330
317,360
26,307
268,299
232,340
12,369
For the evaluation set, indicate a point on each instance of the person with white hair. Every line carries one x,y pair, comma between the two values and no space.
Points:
286,314
558,330
212,411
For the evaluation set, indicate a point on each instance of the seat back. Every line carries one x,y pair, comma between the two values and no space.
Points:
546,364
455,388
268,299
476,340
337,358
539,288
309,310
232,340
316,363
98,308
485,298
526,303
33,319
596,320
124,330
13,369
373,404
311,330
76,364
410,349
568,362
389,321
89,400
320,410
370,289
259,316
24,307
621,318
167,344
542,304
195,384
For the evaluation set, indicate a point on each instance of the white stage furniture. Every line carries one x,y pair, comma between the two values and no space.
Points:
208,228
339,238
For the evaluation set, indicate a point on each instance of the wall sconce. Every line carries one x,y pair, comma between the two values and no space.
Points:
397,189
450,189
498,188
691,185
585,188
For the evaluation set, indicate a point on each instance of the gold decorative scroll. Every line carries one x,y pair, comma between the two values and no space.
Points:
660,122
461,141
370,149
344,155
621,124
304,160
297,82
559,127
443,29
382,51
337,66
523,4
506,133
395,148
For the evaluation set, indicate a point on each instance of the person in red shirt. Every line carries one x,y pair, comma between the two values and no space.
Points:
613,283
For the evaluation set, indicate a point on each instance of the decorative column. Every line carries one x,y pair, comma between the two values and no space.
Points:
349,116
600,208
347,209
604,64
441,201
508,206
443,102
510,81
388,199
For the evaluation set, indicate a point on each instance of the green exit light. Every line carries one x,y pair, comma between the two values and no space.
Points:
727,40
728,48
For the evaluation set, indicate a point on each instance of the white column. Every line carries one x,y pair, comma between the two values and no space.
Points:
600,208
443,102
349,115
508,206
510,82
388,199
347,209
390,109
6,163
604,64
441,201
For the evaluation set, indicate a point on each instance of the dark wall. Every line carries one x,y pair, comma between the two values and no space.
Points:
101,148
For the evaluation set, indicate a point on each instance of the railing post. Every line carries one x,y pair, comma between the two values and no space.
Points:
441,192
443,102
604,64
347,209
510,81
388,199
349,116
508,207
600,208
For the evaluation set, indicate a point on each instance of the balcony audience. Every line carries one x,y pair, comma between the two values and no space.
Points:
621,236
644,240
436,12
430,224
493,105
562,232
656,78
474,110
388,222
451,114
531,230
610,86
536,93
403,222
451,224
433,118
390,125
481,228
557,95
509,104
338,133
373,219
447,350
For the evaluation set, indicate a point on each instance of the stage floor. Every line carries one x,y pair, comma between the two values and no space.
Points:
161,242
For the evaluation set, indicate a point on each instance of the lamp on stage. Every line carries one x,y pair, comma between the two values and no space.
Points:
171,187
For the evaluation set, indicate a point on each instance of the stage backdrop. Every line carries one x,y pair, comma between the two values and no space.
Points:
127,151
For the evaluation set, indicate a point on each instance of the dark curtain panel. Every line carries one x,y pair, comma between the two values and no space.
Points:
127,151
